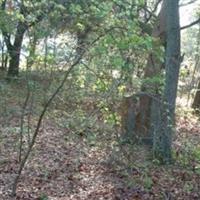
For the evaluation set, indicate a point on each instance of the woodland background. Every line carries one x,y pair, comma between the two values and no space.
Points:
99,99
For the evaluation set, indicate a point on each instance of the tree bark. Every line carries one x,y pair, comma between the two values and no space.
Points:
153,69
31,57
4,56
15,50
196,102
163,136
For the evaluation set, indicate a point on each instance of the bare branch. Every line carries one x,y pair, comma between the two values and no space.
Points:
43,112
188,3
152,12
191,24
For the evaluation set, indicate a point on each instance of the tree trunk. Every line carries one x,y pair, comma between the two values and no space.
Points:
163,136
31,57
196,102
153,69
15,50
4,55
128,114
45,52
13,69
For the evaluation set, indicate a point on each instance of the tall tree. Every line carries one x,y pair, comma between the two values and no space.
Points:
15,13
16,18
151,71
78,17
163,136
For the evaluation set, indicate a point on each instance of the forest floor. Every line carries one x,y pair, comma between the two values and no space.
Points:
62,167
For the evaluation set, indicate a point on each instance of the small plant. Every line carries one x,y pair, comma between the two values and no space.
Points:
188,187
148,183
43,197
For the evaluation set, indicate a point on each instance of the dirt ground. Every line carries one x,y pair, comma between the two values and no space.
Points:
62,169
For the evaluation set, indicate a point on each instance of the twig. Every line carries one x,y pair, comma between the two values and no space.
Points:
187,3
24,160
190,25
22,122
46,106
